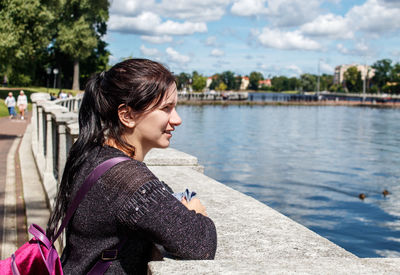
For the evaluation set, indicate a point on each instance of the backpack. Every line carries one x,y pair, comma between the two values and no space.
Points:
39,256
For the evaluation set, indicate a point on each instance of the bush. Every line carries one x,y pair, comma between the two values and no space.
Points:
20,80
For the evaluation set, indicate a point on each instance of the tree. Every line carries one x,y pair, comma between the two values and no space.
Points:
24,33
353,80
81,25
254,78
228,78
221,87
216,80
182,80
238,82
382,72
199,82
308,82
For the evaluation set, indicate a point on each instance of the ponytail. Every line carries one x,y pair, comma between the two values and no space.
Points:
91,134
140,84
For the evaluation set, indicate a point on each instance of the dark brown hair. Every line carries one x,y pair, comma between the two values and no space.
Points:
138,83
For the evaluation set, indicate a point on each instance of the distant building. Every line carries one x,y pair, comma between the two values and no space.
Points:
265,82
244,83
365,70
209,80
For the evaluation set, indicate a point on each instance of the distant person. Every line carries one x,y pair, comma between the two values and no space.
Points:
5,81
53,96
22,102
70,95
62,95
10,102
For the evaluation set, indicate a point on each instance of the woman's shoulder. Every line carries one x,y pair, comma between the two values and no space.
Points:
128,175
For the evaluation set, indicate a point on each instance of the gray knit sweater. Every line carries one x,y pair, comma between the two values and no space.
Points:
129,201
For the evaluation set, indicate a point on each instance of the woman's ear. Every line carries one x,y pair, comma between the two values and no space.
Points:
126,116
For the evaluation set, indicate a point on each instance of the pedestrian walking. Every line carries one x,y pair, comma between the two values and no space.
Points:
10,102
22,102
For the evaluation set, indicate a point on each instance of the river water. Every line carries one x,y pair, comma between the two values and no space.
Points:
309,163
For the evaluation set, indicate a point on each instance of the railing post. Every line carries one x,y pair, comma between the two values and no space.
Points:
62,120
49,180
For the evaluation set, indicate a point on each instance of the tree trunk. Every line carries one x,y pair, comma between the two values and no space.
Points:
75,82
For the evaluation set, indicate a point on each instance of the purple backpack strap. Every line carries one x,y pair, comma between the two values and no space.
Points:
85,188
107,256
104,263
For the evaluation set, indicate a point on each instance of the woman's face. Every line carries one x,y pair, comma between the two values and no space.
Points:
154,129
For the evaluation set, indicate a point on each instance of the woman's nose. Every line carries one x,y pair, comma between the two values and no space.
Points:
175,118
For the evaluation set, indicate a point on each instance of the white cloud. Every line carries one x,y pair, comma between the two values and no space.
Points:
293,12
274,38
360,49
148,51
174,28
328,25
295,69
376,16
175,57
130,7
157,39
249,7
217,52
193,10
148,23
285,13
326,68
342,49
211,41
144,23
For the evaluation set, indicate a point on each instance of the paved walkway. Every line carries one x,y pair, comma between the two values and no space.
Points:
13,230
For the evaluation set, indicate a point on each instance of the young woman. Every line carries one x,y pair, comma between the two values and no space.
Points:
127,111
22,102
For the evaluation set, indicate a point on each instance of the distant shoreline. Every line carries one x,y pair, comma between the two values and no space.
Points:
290,103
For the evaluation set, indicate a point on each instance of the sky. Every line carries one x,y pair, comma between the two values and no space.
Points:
274,37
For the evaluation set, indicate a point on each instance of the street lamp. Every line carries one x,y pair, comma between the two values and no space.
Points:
55,72
318,79
48,71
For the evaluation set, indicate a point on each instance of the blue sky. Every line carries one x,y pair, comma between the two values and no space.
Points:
275,37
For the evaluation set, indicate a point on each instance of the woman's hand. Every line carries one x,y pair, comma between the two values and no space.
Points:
196,205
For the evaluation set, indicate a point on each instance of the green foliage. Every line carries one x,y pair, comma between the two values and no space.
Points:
228,78
336,88
199,82
353,81
40,34
3,108
308,82
182,81
25,31
20,79
254,78
77,39
221,87
382,72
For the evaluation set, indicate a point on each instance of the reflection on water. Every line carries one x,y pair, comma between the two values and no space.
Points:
309,163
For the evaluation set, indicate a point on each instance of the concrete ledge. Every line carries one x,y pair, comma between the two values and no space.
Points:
35,200
169,157
277,266
248,229
255,239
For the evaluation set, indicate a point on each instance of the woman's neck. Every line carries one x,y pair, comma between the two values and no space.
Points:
138,154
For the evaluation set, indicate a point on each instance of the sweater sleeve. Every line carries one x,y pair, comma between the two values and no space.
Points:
153,210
